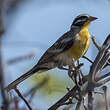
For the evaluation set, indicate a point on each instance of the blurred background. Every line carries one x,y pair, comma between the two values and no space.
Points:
31,26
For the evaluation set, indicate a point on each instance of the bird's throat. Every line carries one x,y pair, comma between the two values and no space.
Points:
86,25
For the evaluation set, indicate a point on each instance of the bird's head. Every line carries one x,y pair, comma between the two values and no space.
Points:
83,21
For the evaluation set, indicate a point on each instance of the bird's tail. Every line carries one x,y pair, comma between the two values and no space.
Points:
22,78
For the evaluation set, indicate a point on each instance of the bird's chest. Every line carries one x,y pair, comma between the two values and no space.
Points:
81,44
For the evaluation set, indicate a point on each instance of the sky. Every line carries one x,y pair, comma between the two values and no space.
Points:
36,25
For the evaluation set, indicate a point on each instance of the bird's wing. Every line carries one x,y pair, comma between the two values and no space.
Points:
61,45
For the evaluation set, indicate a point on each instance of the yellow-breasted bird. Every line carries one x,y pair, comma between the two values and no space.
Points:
72,45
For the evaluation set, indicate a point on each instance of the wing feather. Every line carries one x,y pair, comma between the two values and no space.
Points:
61,45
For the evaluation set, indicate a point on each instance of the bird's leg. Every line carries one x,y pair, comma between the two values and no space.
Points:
76,81
73,64
79,72
80,78
76,73
70,73
60,66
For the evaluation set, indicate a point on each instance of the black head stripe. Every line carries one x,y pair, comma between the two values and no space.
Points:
81,20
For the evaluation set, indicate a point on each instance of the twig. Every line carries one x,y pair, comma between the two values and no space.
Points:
103,76
97,78
103,82
105,96
108,63
98,93
3,94
68,102
21,58
95,43
33,90
21,96
85,107
16,103
103,61
87,59
71,93
79,105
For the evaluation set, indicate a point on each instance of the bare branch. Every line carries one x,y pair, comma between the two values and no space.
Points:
21,96
21,58
71,93
94,69
87,59
79,105
103,82
3,94
108,63
95,43
16,104
33,90
105,96
103,61
103,76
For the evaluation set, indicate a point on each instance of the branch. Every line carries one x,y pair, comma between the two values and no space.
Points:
95,43
93,71
103,76
105,96
79,105
103,82
21,96
33,90
85,79
16,104
108,63
103,61
71,93
20,58
87,59
2,91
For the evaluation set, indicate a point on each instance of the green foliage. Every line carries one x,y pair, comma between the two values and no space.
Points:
54,86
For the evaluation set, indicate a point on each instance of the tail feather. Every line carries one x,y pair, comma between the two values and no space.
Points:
22,78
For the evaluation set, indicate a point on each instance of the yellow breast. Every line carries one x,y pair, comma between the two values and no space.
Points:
81,44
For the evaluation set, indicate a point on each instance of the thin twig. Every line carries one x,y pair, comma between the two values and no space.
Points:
33,90
98,93
95,43
21,96
71,93
103,61
16,103
79,105
103,76
105,96
20,58
87,59
103,82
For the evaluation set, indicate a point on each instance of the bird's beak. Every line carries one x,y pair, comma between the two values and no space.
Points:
92,18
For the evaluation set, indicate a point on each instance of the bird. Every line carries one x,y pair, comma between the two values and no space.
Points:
65,51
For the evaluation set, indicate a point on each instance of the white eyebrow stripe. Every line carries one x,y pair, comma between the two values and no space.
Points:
80,20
